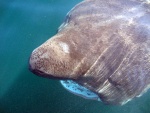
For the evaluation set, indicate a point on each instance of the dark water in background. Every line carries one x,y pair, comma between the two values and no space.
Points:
24,25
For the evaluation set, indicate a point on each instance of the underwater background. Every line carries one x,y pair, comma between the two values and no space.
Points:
24,25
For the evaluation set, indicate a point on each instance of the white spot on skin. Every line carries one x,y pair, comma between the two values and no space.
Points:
64,47
148,1
133,9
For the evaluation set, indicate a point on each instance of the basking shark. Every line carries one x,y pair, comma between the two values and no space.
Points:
101,51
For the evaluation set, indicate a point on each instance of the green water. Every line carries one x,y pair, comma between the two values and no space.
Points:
24,25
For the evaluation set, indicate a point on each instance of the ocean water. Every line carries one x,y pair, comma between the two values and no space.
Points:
24,25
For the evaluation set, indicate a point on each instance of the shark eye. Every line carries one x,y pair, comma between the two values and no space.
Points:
65,23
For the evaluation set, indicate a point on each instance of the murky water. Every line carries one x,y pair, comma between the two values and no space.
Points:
24,25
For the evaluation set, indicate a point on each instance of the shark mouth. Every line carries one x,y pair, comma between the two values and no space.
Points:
79,90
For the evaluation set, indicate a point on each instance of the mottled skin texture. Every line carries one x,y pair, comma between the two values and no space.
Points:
103,45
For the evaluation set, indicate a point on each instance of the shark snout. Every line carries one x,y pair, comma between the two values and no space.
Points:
37,62
55,59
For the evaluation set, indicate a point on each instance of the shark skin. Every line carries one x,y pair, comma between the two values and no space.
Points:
104,46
